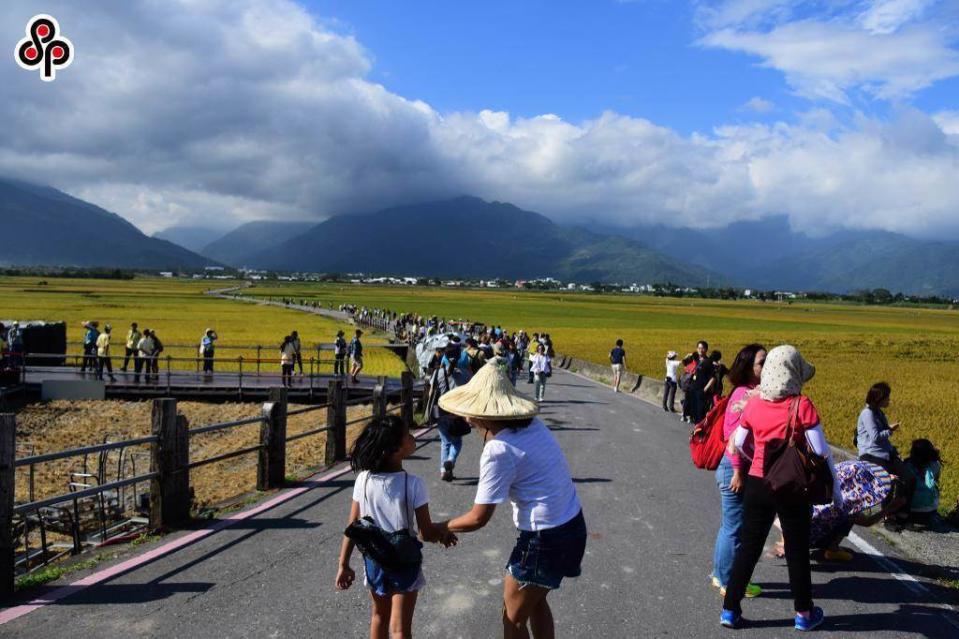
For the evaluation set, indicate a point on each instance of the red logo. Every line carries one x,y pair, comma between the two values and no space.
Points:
44,48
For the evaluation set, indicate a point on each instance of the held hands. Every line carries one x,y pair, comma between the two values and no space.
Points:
442,535
344,578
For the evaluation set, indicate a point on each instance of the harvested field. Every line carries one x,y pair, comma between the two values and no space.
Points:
59,425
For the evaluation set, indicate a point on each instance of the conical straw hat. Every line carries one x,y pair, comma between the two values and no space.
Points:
489,395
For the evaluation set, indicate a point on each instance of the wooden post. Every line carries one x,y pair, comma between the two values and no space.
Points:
379,401
336,421
170,458
271,469
406,396
8,447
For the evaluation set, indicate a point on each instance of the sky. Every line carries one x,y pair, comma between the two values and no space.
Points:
836,114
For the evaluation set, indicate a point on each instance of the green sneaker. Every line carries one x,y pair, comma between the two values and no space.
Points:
752,591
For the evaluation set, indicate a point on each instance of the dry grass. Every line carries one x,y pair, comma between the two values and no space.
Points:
60,425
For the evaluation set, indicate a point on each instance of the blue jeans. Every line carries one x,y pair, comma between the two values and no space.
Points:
727,540
450,445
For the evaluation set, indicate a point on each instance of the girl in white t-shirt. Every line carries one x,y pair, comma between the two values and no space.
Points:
395,500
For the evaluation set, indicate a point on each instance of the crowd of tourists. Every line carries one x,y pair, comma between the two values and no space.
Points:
757,403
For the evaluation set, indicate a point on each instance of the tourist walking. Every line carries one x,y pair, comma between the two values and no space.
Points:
617,358
207,349
90,346
287,360
451,427
873,433
103,354
779,407
731,473
147,349
542,369
396,503
297,350
14,339
339,355
533,345
133,340
671,383
155,360
356,356
522,463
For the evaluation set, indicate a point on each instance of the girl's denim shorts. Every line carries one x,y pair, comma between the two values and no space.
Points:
384,582
544,557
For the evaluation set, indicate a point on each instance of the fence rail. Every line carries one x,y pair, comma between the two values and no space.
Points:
169,474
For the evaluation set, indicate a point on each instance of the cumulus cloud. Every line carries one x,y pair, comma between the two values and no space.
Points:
885,51
195,111
758,105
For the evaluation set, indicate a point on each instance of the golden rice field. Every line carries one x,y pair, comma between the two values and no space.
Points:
915,350
180,313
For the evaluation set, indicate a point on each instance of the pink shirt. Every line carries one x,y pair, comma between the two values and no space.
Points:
768,420
731,420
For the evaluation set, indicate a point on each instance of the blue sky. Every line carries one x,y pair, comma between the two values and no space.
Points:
579,58
834,113
575,59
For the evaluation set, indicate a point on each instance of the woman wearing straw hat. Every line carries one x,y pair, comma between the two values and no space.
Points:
523,463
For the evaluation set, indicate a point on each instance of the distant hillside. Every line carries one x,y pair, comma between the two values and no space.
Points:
46,227
236,247
193,238
768,254
467,237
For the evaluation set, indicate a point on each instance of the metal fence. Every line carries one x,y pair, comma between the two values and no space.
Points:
94,510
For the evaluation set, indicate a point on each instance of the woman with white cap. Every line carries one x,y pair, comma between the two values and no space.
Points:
780,409
523,463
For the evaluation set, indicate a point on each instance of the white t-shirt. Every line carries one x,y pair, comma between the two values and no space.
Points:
528,467
672,369
387,499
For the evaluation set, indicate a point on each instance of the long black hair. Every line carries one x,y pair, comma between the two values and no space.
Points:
382,437
741,372
923,453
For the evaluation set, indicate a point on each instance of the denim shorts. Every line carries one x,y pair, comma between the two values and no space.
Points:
384,582
544,557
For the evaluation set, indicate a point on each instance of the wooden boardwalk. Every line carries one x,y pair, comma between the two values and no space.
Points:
218,386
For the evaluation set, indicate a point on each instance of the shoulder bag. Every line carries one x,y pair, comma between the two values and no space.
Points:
394,551
791,470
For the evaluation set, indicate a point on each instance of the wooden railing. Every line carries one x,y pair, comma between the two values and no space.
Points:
170,464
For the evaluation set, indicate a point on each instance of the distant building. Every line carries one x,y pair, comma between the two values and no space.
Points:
166,274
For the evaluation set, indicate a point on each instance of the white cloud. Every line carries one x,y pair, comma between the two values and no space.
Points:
887,16
886,49
758,105
222,110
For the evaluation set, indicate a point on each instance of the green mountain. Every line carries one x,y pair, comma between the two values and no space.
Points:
470,238
768,254
46,227
236,247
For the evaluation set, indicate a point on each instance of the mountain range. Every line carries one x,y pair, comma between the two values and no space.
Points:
467,237
46,227
769,254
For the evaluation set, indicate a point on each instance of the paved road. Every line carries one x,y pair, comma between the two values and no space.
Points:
652,520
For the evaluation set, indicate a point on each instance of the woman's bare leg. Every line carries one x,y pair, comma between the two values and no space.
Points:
519,605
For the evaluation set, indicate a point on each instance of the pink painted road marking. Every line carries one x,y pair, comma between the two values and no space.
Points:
135,562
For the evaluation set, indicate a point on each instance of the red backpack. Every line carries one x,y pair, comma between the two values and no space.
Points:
706,443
